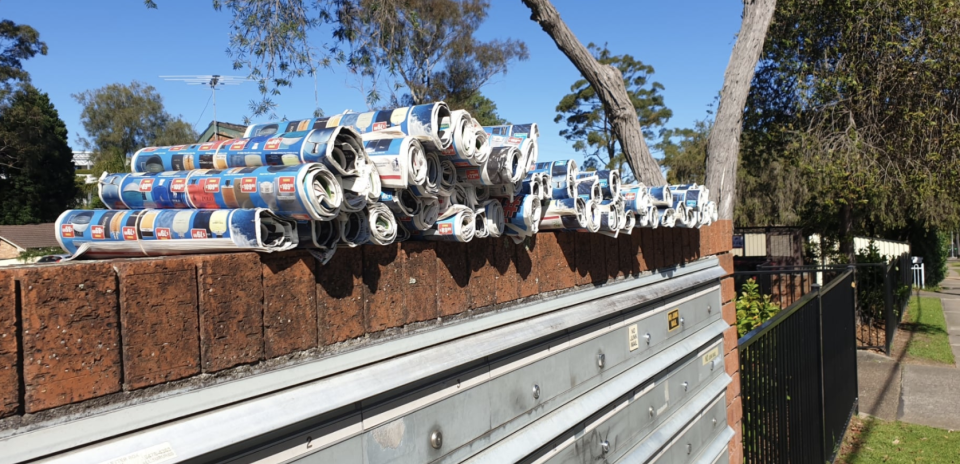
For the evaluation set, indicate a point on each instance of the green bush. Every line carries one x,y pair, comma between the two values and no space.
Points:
934,247
753,309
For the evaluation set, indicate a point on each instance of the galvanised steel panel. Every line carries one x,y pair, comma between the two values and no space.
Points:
512,392
345,452
714,419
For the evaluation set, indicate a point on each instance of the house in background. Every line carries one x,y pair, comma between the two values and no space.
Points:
17,239
223,131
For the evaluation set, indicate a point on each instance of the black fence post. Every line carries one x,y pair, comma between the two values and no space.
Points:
822,394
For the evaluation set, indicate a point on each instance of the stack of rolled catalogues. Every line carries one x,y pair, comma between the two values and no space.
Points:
414,173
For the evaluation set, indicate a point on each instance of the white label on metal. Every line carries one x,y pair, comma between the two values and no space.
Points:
152,455
633,337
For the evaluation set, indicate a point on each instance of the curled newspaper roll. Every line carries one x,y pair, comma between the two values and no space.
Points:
160,232
565,214
563,177
609,183
401,202
354,228
448,178
521,216
431,185
488,173
400,161
588,187
480,223
382,225
303,192
660,197
322,235
424,219
463,149
457,225
493,215
668,217
629,223
340,149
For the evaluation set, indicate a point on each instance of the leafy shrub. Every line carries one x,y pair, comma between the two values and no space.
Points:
753,309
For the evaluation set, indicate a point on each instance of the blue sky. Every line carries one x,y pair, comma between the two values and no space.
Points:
92,44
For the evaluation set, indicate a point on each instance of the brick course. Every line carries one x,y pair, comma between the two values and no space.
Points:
231,310
9,360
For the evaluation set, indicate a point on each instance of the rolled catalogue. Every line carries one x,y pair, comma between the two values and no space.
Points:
565,214
458,225
493,215
521,216
322,235
401,202
381,224
303,192
588,187
563,177
160,232
400,162
609,183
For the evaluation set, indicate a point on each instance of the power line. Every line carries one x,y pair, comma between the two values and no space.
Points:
213,80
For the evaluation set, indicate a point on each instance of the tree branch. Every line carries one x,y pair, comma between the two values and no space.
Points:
608,83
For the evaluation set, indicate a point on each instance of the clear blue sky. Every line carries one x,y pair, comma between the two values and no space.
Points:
91,44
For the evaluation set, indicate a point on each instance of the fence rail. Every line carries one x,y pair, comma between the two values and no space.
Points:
798,375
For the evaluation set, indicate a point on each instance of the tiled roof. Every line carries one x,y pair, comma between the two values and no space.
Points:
31,235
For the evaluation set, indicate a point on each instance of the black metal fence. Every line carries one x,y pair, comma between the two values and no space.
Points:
883,291
798,375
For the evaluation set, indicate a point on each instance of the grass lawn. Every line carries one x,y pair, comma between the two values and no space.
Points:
926,331
875,440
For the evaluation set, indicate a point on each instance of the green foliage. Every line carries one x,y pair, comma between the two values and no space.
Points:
483,109
29,255
934,247
852,108
870,283
18,42
753,309
36,164
873,440
927,328
399,51
686,160
586,119
120,119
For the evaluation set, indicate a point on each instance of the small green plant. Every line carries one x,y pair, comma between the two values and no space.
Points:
753,308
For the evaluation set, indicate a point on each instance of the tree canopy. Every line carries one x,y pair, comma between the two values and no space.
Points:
852,122
588,125
18,42
685,153
36,163
122,118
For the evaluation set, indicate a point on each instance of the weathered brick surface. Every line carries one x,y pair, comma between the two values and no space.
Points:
590,258
159,321
231,310
483,276
731,361
340,297
70,334
289,303
558,263
725,236
727,291
453,277
9,362
611,257
730,313
629,248
734,411
527,261
667,237
656,245
503,260
726,262
733,390
646,249
730,339
383,287
419,281
736,443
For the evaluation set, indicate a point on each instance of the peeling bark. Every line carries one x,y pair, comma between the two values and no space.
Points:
723,145
608,83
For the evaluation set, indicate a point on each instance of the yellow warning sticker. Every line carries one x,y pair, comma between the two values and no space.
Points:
633,337
711,355
673,320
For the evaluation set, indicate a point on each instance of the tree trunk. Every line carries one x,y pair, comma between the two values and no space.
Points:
607,81
846,232
723,144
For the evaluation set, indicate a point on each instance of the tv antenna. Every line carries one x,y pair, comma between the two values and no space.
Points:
214,81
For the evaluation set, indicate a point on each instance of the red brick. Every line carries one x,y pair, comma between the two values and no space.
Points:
383,287
727,291
733,389
289,303
419,280
557,259
159,321
453,277
677,237
734,411
71,336
695,251
9,362
736,443
231,310
612,257
706,240
730,313
731,361
502,259
483,276
730,339
657,240
646,250
629,255
527,262
726,262
590,258
340,297
725,236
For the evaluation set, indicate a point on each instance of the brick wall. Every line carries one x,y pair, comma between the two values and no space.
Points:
720,244
8,251
82,330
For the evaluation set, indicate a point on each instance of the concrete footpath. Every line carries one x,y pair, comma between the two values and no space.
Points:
919,394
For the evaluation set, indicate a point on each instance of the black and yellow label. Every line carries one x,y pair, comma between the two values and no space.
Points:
673,320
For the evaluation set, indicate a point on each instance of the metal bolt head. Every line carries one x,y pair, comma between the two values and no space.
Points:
689,448
605,446
709,309
436,439
681,321
647,336
713,422
536,392
601,358
685,385
651,411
